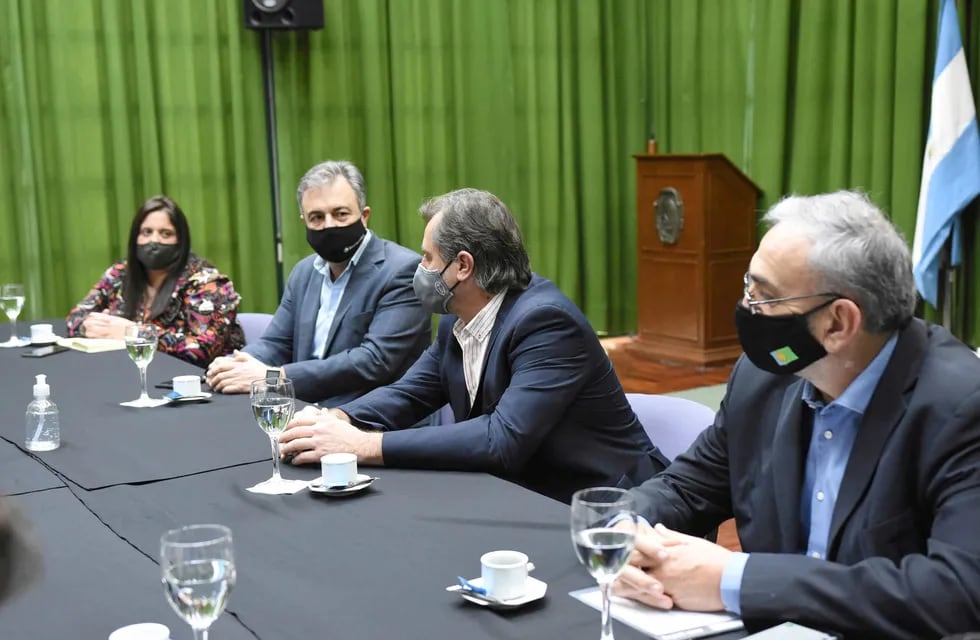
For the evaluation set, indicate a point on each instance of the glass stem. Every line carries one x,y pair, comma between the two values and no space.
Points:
143,394
274,440
13,329
200,634
607,630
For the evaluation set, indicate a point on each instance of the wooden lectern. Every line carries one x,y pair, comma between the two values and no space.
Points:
696,232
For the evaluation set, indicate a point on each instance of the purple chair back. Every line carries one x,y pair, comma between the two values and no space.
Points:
254,324
672,424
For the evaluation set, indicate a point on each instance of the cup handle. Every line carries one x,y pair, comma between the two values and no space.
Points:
530,567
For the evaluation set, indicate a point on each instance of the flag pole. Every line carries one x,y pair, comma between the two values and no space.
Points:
945,302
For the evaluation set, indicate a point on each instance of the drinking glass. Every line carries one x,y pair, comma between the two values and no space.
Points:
198,573
141,343
12,301
603,523
273,403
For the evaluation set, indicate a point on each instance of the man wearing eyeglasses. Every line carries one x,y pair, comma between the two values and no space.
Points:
847,448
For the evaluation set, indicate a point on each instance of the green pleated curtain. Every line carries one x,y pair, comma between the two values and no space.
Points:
106,102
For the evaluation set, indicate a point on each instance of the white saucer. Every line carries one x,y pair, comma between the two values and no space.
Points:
147,630
316,486
534,590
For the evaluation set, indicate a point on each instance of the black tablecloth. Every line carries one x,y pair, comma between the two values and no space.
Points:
92,582
103,443
22,472
374,565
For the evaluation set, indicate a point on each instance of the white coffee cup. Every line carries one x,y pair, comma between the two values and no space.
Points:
504,574
141,631
42,333
338,469
187,385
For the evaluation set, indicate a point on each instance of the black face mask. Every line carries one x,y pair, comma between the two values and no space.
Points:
336,244
779,344
156,257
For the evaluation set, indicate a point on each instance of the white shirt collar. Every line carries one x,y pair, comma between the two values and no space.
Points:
482,323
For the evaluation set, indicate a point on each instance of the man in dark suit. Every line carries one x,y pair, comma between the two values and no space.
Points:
348,321
855,483
534,396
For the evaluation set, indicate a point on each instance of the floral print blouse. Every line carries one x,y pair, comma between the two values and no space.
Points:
199,322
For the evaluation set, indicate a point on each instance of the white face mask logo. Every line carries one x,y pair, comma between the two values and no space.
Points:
431,290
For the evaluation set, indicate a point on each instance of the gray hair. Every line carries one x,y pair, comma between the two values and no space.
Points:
856,251
325,173
480,223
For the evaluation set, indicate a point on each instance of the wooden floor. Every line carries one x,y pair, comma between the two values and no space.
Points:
641,375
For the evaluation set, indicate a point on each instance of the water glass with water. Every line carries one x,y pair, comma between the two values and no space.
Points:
273,403
603,526
141,344
12,301
198,567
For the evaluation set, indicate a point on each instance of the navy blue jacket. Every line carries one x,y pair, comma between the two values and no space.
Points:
903,558
377,333
550,413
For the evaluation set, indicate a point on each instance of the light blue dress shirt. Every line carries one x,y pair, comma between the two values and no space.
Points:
331,292
835,428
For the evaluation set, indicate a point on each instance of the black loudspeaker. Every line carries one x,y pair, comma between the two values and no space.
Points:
283,14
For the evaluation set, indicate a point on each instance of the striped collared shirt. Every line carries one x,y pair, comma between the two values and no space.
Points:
473,337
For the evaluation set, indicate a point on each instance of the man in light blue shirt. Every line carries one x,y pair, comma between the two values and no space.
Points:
331,292
349,320
847,448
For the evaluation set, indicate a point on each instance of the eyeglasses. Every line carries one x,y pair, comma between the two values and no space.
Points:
755,304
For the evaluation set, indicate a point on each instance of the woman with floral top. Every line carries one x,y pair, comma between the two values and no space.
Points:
162,282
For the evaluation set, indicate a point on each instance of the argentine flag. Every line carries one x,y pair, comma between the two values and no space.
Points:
951,166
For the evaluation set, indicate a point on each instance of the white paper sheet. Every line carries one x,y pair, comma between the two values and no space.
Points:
657,623
286,487
92,345
151,403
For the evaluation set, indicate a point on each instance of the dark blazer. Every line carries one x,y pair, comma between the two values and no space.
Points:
904,551
378,332
550,413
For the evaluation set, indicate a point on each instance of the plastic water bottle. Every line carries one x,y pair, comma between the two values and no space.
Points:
43,432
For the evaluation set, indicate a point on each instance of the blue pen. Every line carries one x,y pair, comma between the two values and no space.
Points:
469,586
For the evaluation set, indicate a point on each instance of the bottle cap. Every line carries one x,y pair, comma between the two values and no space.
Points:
41,388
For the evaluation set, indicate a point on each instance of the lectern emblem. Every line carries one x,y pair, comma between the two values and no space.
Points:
668,211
